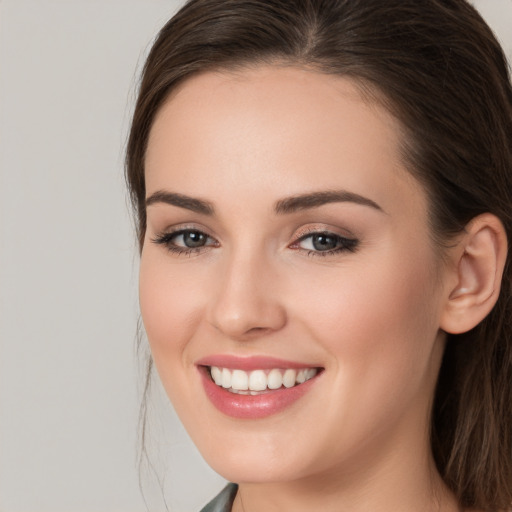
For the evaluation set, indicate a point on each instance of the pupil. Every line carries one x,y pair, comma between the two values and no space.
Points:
324,242
194,239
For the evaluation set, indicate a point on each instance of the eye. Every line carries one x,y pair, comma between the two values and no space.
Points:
325,243
190,239
185,241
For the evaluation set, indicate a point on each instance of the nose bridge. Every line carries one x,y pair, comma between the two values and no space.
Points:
246,303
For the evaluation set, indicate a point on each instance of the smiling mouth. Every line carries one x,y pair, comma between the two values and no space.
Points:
257,382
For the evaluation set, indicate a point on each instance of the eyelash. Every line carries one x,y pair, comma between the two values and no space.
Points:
167,239
343,244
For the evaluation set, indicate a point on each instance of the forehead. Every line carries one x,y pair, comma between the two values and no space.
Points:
274,129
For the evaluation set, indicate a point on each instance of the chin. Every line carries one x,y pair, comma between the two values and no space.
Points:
256,457
240,469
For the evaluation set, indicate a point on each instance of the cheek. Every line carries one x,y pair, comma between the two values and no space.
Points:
378,321
170,302
380,331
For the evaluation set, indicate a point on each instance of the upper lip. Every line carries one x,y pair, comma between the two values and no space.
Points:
251,362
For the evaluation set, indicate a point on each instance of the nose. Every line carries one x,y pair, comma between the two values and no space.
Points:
247,304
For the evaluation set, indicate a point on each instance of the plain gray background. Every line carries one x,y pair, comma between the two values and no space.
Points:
69,377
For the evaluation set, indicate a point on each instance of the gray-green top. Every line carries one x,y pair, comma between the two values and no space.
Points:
223,501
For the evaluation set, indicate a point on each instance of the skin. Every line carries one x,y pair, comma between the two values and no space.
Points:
370,317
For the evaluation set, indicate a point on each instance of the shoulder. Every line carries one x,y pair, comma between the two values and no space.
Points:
223,501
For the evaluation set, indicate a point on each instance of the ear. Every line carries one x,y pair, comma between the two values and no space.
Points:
477,267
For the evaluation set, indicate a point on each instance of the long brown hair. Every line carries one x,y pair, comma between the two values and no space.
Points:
437,67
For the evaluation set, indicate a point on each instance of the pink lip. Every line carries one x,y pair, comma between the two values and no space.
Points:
250,363
251,406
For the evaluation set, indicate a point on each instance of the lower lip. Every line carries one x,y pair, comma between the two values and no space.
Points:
252,406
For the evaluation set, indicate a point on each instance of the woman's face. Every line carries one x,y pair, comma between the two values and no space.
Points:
288,247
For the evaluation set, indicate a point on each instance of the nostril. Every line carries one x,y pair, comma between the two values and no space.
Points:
258,329
254,333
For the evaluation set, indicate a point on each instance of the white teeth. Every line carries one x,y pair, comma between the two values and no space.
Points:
239,380
217,375
310,373
289,378
245,383
226,378
275,379
257,380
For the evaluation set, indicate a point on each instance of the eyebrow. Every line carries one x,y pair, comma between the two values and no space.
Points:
282,207
182,201
316,199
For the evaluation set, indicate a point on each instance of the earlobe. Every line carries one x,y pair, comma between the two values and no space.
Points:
479,260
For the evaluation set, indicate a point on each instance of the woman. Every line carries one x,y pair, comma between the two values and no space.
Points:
323,197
